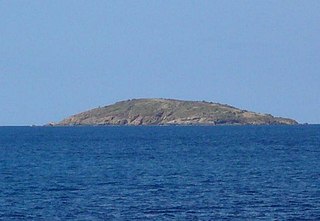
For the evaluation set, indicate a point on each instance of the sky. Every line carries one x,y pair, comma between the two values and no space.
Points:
58,58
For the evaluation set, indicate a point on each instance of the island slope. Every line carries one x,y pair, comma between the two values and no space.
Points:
170,112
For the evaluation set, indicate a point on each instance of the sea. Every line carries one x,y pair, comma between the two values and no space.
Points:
160,173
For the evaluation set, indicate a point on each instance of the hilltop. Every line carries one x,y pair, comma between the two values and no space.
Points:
170,112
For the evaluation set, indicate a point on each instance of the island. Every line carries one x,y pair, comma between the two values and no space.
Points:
170,112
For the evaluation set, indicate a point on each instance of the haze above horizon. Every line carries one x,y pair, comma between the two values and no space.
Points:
59,58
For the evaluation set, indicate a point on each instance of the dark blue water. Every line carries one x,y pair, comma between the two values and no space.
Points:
160,173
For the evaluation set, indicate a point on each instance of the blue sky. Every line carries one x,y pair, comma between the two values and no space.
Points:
58,58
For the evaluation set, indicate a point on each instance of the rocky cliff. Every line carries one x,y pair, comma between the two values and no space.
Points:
170,112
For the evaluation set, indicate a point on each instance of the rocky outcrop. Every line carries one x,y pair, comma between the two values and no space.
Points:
171,112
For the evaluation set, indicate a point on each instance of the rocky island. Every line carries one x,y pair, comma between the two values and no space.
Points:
170,112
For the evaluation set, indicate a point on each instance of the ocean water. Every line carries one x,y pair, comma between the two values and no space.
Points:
160,173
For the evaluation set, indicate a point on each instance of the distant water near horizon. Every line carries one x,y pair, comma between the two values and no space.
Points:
160,173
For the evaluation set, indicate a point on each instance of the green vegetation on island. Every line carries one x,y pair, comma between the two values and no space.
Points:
170,112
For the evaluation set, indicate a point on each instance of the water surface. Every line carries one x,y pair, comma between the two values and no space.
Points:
160,173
